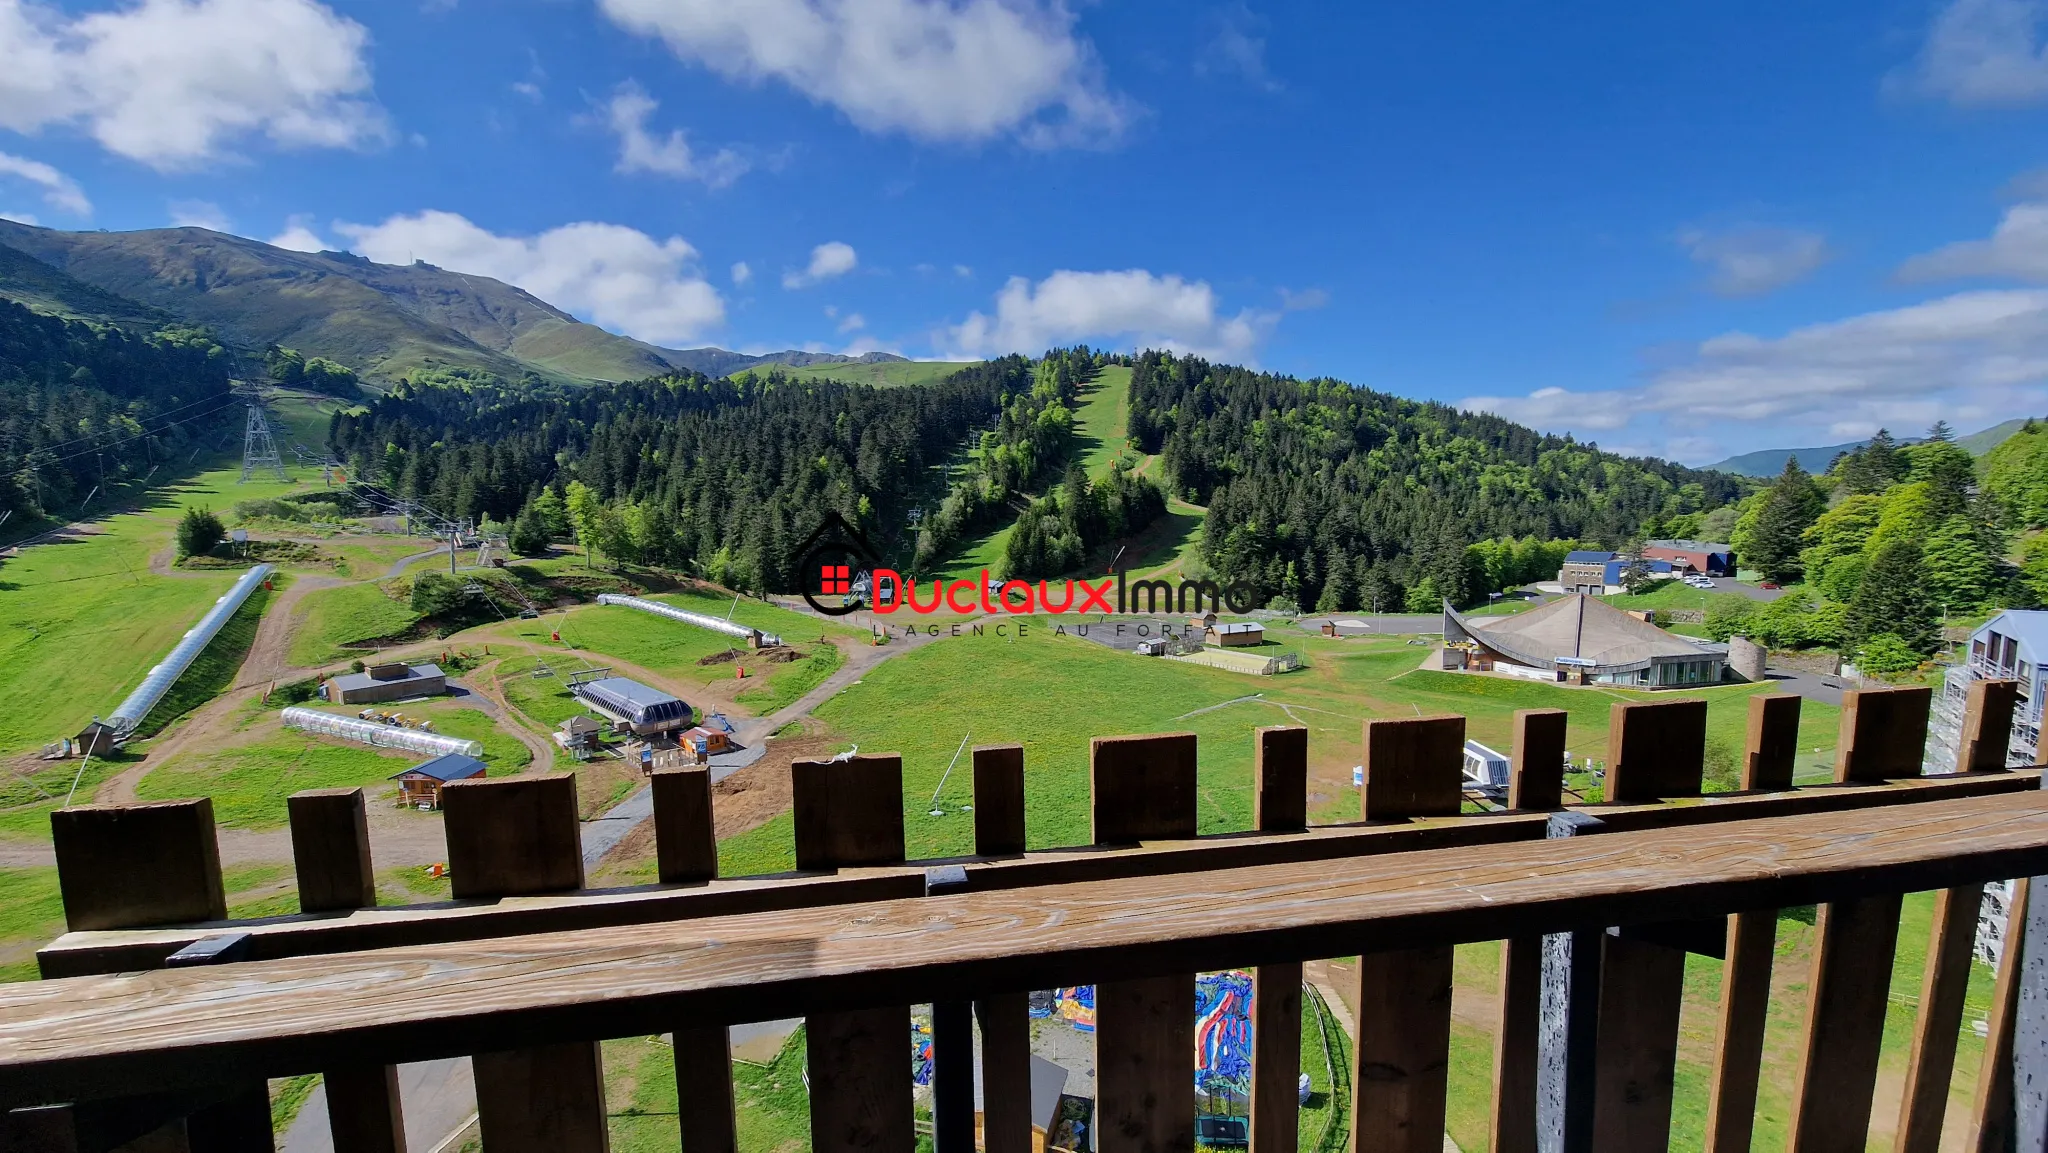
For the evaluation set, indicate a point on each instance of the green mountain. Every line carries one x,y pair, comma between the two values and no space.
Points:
1771,461
44,289
381,320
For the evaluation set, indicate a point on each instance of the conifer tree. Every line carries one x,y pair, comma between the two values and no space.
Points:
1789,507
1892,598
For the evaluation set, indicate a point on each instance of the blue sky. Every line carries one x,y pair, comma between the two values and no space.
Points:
1685,229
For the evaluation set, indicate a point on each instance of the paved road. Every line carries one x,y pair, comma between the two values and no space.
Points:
439,1099
1812,686
1388,624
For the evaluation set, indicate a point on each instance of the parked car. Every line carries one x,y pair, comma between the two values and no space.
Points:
1767,584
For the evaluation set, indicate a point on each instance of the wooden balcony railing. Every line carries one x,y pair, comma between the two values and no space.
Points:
157,1012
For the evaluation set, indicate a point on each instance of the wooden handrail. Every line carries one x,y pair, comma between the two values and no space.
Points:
91,1037
120,950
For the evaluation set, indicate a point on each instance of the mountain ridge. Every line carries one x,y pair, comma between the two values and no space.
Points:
1768,462
384,321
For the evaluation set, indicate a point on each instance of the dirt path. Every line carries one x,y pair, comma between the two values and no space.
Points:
488,696
270,654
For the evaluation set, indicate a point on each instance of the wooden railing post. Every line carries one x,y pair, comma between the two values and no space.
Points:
1773,741
1143,788
132,866
850,813
509,837
1413,768
1883,735
1847,993
1986,732
1767,760
1280,756
1991,1113
685,839
1987,726
1655,750
331,857
1535,781
686,852
1005,1017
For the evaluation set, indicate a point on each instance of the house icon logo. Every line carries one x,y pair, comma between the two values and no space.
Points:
834,568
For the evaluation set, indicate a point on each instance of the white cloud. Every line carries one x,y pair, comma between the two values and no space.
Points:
1984,53
962,271
199,214
741,274
854,322
952,70
28,218
298,235
1304,300
170,82
671,155
1971,357
1750,260
1236,49
2018,247
830,259
611,275
59,191
1132,306
528,89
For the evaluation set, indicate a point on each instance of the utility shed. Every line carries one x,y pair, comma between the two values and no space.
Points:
634,707
392,682
421,784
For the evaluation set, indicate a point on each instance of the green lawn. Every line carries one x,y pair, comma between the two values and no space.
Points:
82,620
672,648
770,1102
348,615
249,782
1052,693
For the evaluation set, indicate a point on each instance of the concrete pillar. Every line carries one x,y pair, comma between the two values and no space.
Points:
1746,657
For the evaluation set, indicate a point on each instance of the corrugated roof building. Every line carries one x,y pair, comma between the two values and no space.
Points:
630,705
1582,640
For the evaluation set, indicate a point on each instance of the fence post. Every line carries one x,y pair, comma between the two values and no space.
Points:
686,852
1413,768
1773,741
1535,781
1005,1017
518,836
1143,788
685,837
1280,755
1991,1115
1655,750
1883,735
1924,1099
1852,971
132,866
850,813
331,856
1987,726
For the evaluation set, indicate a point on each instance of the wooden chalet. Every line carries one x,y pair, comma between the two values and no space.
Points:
420,786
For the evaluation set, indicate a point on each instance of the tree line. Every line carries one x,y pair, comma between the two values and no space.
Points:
723,478
84,405
1882,547
1320,493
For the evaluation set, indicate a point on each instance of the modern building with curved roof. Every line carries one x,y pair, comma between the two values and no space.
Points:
1579,639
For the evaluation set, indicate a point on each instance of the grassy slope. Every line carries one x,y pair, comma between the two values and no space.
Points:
1052,693
888,373
331,619
82,621
1099,423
